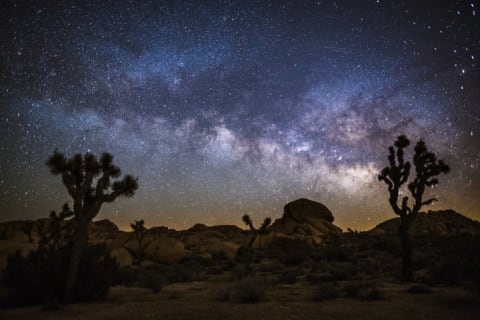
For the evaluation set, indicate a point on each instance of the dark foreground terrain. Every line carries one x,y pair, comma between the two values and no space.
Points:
200,300
302,267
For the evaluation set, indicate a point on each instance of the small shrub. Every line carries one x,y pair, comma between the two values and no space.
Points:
150,278
223,293
215,270
174,295
326,291
337,252
315,278
364,291
244,255
249,290
289,251
456,269
273,266
241,271
289,276
97,272
342,271
388,243
183,273
419,289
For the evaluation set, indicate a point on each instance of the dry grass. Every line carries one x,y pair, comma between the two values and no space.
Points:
194,301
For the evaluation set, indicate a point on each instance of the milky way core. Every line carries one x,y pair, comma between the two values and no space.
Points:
229,107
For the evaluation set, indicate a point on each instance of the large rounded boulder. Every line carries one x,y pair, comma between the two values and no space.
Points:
304,218
165,249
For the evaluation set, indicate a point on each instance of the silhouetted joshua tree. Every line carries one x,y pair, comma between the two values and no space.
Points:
90,183
427,167
139,231
261,231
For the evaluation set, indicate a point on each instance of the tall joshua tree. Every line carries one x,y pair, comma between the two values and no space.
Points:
396,174
90,183
261,231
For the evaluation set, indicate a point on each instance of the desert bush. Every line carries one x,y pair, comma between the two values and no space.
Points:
249,290
184,273
327,291
387,243
447,271
455,260
341,271
215,270
289,251
419,289
242,270
289,276
364,291
316,278
273,266
97,272
149,278
39,278
337,252
244,255
222,293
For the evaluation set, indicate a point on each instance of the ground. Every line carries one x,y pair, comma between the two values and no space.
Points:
199,300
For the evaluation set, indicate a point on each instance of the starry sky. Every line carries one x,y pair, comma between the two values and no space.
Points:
230,107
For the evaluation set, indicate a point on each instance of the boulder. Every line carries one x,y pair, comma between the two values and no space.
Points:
120,238
8,247
306,219
123,257
147,263
101,230
227,248
16,230
305,210
165,249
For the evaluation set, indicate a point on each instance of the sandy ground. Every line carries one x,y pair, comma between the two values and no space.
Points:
196,300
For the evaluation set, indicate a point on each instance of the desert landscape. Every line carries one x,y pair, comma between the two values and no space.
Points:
270,159
302,267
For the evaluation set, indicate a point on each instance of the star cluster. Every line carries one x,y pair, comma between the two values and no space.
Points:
227,107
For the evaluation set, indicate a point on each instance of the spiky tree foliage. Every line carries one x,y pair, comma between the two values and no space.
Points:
91,183
396,174
261,231
139,231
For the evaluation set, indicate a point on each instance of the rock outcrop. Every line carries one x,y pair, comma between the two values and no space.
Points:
307,219
165,249
123,257
433,223
214,240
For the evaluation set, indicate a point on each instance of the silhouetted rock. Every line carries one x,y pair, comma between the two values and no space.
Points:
165,249
15,230
439,223
207,241
8,247
304,218
123,257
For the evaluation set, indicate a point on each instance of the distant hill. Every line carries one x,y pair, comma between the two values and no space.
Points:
441,223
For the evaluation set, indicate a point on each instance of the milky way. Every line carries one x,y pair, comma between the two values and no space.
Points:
222,108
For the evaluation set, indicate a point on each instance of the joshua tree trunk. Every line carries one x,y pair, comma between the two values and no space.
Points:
252,240
79,241
406,252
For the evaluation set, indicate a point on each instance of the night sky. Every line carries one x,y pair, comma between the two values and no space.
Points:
230,107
